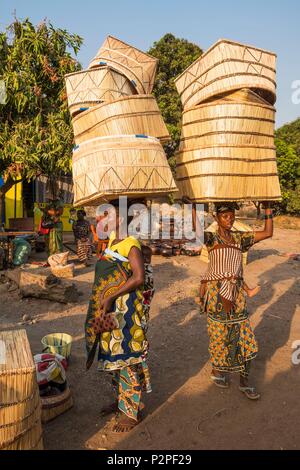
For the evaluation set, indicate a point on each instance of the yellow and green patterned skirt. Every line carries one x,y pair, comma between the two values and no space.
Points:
232,343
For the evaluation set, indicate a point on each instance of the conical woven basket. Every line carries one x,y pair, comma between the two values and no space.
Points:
228,66
132,115
137,66
227,151
91,87
20,408
106,167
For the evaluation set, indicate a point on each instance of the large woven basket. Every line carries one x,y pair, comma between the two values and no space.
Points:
230,123
227,152
137,66
132,115
91,87
228,66
106,167
20,408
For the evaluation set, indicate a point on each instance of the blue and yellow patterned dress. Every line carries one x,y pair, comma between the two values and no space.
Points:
123,350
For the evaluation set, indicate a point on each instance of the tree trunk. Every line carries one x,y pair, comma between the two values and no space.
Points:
42,284
258,209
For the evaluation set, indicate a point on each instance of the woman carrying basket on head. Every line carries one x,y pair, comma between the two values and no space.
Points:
232,344
117,322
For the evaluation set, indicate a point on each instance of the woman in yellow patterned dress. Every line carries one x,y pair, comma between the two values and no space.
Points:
232,344
118,292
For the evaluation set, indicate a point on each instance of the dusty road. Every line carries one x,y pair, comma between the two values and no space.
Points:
185,411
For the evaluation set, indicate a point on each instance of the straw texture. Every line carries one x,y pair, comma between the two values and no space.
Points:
91,87
227,150
137,66
120,165
133,115
228,66
20,412
117,149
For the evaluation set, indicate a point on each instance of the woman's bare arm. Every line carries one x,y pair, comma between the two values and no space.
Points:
133,282
267,232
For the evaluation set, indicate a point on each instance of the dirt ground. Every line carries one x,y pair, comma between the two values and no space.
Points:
185,410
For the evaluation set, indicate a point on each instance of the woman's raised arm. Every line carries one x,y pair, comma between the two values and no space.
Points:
267,232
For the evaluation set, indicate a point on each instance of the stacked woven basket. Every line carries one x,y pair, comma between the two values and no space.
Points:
227,149
118,127
20,407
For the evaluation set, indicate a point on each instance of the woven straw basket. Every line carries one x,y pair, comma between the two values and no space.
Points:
137,66
91,87
56,405
20,407
227,151
132,115
228,123
106,167
228,66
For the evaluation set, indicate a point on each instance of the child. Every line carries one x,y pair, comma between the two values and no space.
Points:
82,230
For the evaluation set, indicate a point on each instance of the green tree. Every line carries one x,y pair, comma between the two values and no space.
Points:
174,56
290,133
35,133
288,164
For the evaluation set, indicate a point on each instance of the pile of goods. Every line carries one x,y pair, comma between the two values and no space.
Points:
118,127
227,149
56,397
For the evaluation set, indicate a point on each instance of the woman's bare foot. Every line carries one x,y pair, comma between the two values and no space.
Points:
124,424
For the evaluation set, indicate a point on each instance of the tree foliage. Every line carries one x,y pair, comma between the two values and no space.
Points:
35,132
174,55
290,133
288,162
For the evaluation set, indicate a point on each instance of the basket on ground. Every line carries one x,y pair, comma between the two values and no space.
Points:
20,407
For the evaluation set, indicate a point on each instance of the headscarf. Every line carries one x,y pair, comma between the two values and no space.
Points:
225,207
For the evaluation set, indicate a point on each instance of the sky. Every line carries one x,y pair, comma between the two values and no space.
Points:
268,24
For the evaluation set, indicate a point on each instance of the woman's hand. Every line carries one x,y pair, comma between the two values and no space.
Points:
266,205
106,304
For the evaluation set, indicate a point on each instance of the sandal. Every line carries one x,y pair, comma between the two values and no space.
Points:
250,392
219,381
